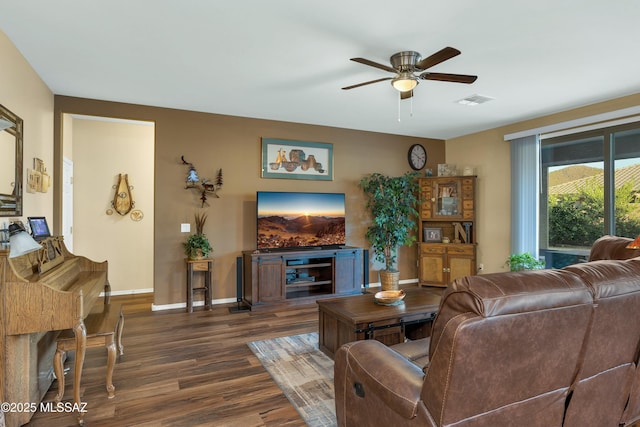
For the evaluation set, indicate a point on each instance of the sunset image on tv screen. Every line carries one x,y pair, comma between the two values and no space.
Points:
290,220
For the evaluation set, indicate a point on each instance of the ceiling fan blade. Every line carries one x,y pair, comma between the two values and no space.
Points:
366,83
438,57
446,77
374,64
406,95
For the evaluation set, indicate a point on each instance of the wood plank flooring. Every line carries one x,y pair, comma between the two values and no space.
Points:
181,369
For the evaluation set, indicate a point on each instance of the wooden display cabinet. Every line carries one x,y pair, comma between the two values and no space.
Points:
300,276
447,248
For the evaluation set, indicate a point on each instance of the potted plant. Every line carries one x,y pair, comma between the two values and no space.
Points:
392,202
523,261
197,245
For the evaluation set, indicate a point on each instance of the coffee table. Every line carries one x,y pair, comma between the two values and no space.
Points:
354,318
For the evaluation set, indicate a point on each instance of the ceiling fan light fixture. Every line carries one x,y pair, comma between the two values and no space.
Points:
405,82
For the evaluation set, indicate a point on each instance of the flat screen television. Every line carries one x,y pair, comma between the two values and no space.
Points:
289,220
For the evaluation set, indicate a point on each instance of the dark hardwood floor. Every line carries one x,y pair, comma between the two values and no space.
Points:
181,369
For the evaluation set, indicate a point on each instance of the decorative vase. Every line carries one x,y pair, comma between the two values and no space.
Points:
389,280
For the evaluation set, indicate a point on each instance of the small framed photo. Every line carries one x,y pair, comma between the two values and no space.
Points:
34,179
432,235
445,169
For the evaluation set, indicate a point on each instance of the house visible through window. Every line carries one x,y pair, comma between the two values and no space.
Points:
590,186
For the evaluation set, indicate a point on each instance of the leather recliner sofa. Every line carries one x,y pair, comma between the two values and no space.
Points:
535,348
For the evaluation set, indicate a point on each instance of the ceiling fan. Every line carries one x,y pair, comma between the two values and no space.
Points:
405,64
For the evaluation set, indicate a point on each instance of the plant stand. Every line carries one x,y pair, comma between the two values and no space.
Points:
205,266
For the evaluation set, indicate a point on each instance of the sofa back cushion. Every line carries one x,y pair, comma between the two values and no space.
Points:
506,346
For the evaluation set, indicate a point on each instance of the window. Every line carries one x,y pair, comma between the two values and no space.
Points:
590,186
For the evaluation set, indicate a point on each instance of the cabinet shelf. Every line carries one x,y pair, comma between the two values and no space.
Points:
314,265
307,284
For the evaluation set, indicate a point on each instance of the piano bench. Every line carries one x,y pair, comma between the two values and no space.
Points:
104,326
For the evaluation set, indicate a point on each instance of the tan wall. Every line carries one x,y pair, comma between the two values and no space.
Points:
103,150
25,94
233,144
489,153
211,142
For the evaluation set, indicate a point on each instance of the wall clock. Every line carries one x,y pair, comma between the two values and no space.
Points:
417,157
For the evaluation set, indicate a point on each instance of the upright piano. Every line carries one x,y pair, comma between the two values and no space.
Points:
42,293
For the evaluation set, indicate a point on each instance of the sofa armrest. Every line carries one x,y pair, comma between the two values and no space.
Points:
611,247
383,372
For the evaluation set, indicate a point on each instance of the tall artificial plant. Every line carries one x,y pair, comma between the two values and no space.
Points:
392,202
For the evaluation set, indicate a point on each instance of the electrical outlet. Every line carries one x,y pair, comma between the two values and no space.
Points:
185,228
480,267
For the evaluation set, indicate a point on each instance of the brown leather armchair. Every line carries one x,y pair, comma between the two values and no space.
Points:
504,351
536,348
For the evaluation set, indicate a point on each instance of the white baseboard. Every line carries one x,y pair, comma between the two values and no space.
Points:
173,306
176,305
130,292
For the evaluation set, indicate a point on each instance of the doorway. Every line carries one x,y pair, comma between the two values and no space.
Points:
99,150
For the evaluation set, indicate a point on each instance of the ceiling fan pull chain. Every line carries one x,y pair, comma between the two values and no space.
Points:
399,98
411,111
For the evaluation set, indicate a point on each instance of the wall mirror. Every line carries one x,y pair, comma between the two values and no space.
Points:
10,163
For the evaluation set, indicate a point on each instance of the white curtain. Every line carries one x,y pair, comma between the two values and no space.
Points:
525,190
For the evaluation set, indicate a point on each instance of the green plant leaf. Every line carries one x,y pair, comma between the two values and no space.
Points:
524,261
195,242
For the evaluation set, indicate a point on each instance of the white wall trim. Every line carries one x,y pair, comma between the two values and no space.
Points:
618,122
155,307
176,305
584,121
113,119
130,292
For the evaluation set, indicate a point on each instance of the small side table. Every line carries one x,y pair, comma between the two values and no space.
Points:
204,266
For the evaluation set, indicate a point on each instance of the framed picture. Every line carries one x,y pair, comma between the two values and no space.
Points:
34,179
38,164
445,169
432,234
297,159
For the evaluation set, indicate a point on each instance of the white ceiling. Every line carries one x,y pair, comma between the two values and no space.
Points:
287,59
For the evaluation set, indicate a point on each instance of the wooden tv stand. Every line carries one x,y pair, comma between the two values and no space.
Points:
292,277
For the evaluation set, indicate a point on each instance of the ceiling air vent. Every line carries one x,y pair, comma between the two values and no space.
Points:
474,100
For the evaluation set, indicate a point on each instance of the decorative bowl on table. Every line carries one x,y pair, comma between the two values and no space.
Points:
389,297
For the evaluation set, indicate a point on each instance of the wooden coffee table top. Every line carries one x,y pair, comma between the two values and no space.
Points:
362,308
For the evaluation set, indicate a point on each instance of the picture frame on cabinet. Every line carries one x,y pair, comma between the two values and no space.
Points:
432,235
